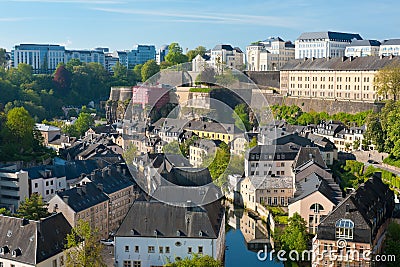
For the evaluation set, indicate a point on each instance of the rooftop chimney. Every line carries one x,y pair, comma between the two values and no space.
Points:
66,199
100,186
24,222
119,168
347,208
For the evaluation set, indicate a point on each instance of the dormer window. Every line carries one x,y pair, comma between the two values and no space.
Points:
344,229
316,207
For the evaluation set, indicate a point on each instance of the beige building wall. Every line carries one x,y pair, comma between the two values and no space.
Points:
341,85
312,216
120,202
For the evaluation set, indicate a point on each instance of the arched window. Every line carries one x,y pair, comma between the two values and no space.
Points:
344,229
316,207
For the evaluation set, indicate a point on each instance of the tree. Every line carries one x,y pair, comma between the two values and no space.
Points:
149,69
294,236
20,123
253,142
196,261
387,81
72,64
130,153
200,50
2,57
33,208
241,117
62,78
225,79
5,212
392,243
175,55
172,148
218,164
83,123
83,247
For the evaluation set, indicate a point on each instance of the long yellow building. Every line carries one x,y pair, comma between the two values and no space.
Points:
345,78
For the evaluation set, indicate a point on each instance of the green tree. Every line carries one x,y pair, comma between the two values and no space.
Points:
83,123
294,236
387,81
20,124
149,69
83,247
226,78
200,50
196,261
392,243
253,142
72,64
175,54
2,57
33,208
130,153
5,212
241,117
172,148
218,163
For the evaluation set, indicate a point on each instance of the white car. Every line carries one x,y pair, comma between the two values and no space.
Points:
107,242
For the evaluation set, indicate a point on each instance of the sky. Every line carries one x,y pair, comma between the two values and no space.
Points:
120,24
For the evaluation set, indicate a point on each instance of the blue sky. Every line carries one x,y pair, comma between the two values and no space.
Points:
119,24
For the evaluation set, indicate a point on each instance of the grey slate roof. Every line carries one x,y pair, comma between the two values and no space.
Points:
309,155
365,43
289,150
223,47
46,171
329,35
363,207
391,42
83,197
314,183
267,182
340,64
146,217
37,240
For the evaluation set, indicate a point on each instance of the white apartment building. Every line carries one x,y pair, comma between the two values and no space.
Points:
271,160
154,233
46,180
390,47
323,44
270,54
362,48
86,56
226,54
13,188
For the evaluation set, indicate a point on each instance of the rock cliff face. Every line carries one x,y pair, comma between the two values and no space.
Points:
118,102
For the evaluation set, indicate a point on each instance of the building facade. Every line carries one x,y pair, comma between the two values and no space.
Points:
140,54
390,47
143,240
323,44
14,188
270,54
226,54
362,48
334,78
86,56
43,58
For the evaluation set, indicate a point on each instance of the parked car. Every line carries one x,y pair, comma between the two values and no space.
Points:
371,161
107,242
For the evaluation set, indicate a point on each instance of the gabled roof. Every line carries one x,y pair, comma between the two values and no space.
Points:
46,171
156,219
329,35
315,183
268,182
83,197
36,240
309,155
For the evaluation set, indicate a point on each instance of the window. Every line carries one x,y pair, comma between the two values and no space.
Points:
189,250
137,263
316,207
55,263
136,249
126,248
127,264
160,250
150,249
61,260
200,250
344,229
167,250
36,186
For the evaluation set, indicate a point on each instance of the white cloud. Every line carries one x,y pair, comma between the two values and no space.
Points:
214,18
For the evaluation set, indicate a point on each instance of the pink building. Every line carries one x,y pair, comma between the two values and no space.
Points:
157,96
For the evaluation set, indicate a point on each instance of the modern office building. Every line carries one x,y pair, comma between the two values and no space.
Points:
323,44
13,188
86,56
161,53
140,54
43,58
